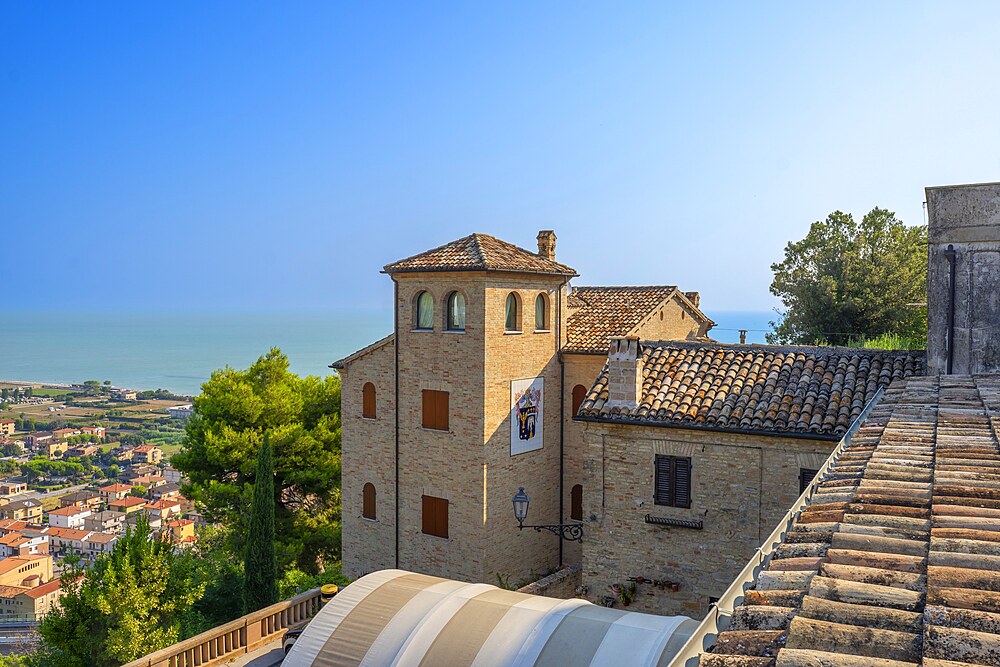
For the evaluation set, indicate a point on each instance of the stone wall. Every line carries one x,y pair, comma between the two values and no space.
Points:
967,217
562,584
672,321
742,485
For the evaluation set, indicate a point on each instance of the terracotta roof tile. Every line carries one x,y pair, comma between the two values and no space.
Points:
763,388
596,314
895,558
479,252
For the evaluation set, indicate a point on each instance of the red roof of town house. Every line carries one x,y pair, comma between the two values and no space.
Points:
6,421
115,488
145,449
9,525
128,501
101,538
69,510
14,562
13,539
146,480
44,589
179,523
66,533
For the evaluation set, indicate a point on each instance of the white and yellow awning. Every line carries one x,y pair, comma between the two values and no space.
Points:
394,617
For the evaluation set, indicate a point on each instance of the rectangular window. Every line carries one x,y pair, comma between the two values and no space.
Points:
435,409
673,481
806,476
435,516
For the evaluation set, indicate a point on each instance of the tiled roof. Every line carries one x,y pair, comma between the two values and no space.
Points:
479,252
44,589
115,488
895,559
71,510
770,389
596,314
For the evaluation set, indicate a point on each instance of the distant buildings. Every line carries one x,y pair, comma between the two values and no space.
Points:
181,411
147,454
6,427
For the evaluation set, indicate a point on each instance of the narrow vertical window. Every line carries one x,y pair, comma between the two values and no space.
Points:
368,501
541,316
576,503
368,401
806,476
512,320
425,311
579,396
672,486
456,312
435,516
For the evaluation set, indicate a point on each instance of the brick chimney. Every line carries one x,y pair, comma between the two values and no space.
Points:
694,298
624,373
547,244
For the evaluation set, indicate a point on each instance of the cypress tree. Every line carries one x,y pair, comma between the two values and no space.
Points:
260,577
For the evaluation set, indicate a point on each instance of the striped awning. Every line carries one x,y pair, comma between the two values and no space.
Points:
394,617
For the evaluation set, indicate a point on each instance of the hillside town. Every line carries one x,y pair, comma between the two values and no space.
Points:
57,518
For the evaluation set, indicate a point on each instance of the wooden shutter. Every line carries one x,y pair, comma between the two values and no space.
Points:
368,401
435,516
576,503
664,488
806,475
682,481
672,486
579,395
368,501
435,409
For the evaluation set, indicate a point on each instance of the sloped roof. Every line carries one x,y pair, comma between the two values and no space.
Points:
479,252
44,589
771,389
895,559
599,313
341,363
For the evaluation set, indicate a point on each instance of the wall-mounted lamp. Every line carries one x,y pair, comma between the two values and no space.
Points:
566,531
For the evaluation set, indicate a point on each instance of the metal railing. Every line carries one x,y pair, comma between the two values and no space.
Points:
721,612
244,635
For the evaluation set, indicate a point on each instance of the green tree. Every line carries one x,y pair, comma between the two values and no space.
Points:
847,280
260,576
5,393
302,418
133,601
138,491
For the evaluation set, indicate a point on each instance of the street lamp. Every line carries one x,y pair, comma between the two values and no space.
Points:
566,531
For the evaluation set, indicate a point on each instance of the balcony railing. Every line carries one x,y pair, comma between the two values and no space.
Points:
244,635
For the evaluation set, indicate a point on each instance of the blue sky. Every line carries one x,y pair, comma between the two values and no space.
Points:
214,156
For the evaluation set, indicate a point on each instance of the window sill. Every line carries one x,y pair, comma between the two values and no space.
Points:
369,419
435,430
512,333
454,331
421,330
436,537
543,330
364,518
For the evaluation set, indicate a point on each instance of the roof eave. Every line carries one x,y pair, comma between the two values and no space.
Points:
802,435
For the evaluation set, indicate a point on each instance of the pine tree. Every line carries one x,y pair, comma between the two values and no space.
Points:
260,578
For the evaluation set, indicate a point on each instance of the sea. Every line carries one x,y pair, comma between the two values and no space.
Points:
179,351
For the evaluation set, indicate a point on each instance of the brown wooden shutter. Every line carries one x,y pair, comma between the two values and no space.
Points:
663,492
579,395
435,409
435,516
682,481
576,503
368,501
806,476
368,401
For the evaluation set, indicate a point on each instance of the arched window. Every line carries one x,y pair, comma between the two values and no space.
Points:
456,312
541,313
512,319
368,501
579,395
576,503
368,401
425,311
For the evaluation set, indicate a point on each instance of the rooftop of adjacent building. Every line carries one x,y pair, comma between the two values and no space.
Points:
896,555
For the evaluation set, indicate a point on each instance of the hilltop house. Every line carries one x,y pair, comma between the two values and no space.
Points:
69,516
7,426
22,510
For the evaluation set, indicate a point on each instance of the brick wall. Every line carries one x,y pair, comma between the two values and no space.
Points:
741,486
672,321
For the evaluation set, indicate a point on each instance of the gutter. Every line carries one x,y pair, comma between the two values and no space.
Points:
803,435
720,613
562,413
395,335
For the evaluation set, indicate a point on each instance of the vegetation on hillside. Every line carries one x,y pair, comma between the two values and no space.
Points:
848,281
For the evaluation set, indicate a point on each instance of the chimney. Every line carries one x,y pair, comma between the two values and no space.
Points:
547,244
694,298
743,336
624,373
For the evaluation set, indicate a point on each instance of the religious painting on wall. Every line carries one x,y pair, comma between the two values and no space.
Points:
526,415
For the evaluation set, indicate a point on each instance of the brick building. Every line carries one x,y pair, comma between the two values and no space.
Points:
483,330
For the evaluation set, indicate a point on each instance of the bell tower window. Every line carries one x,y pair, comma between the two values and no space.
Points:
456,312
425,311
